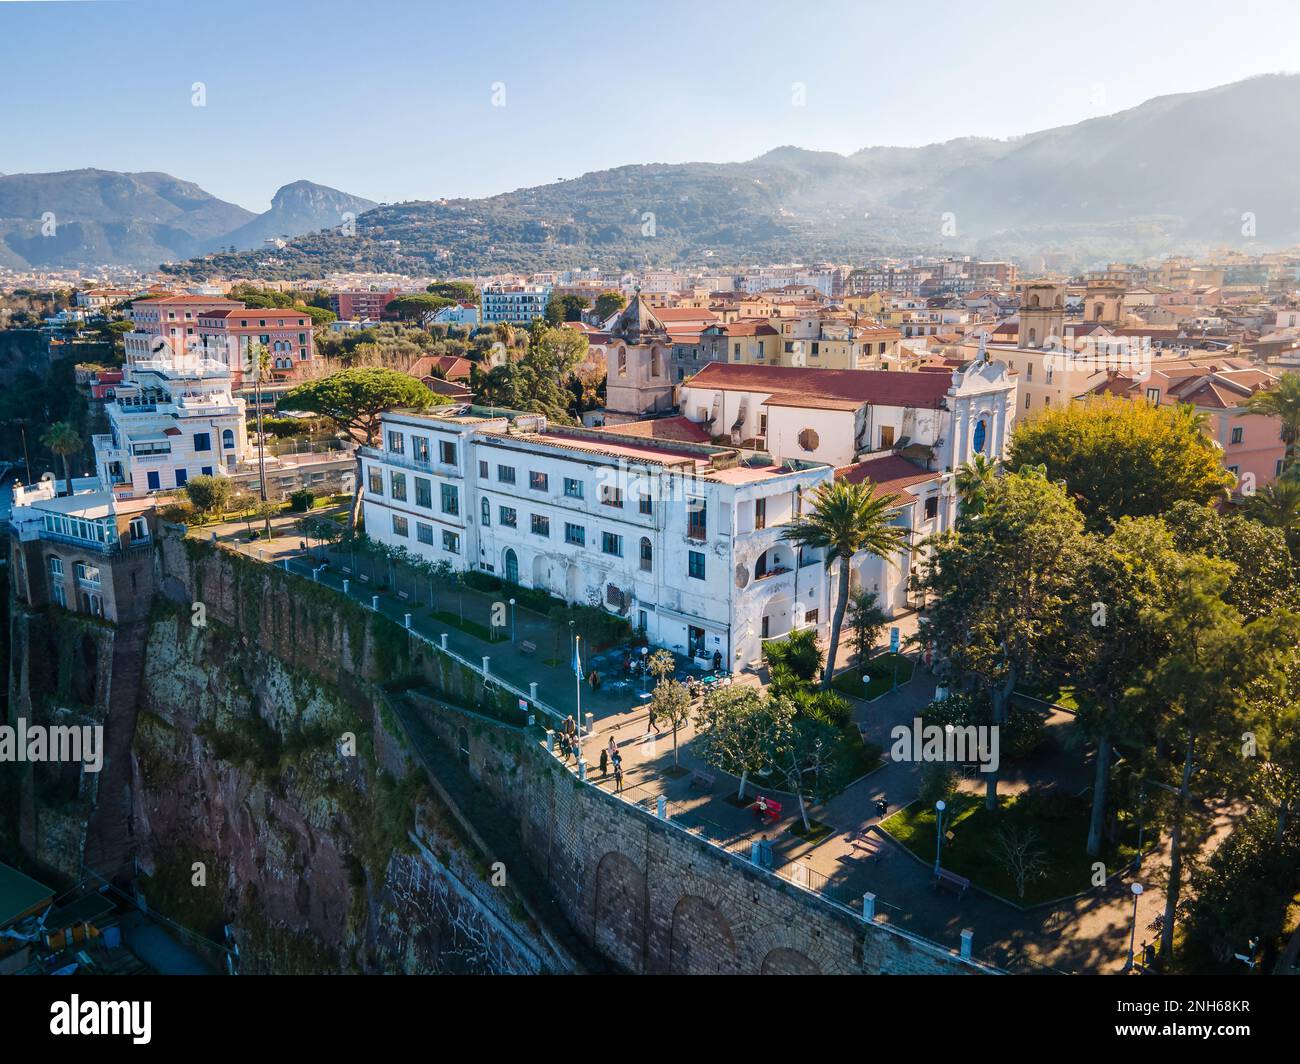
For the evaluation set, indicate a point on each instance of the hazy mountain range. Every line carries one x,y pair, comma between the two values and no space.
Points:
102,217
1175,173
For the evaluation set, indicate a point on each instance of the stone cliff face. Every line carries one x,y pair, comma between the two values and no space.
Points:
257,793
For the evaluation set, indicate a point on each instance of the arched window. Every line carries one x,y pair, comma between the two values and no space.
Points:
647,554
487,511
227,438
622,362
1033,338
1033,300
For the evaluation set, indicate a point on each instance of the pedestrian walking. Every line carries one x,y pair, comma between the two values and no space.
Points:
882,805
618,778
650,722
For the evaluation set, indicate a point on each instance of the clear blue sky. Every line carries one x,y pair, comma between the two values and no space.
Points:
393,99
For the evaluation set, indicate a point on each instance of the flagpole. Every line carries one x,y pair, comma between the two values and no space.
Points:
577,678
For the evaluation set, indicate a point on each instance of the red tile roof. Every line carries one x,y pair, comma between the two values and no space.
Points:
452,367
877,387
676,429
890,474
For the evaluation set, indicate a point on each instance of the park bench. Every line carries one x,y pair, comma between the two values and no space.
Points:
951,881
403,595
870,847
527,647
707,780
773,812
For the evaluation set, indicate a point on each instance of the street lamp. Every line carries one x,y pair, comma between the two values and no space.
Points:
1136,888
939,807
512,620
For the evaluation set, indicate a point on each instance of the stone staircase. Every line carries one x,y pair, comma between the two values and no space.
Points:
110,841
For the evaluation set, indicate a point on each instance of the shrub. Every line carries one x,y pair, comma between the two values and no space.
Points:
797,652
302,500
938,783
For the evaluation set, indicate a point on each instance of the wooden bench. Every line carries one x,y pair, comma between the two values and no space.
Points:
773,812
871,847
527,647
707,780
951,881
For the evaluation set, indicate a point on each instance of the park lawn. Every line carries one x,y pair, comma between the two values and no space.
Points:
1063,695
816,832
1061,823
470,627
880,677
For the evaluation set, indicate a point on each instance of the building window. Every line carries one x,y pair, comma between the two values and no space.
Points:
376,481
424,492
538,481
507,516
809,440
483,470
611,544
646,505
397,486
932,507
139,529
1237,434
420,448
760,513
506,474
56,566
202,441
424,532
450,541
697,523
541,526
810,617
396,442
59,595
485,512
450,499
647,555
575,534
695,564
447,452
1233,469
610,496
400,526
572,488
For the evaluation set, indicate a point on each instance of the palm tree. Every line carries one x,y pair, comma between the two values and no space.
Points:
62,439
845,520
1283,403
973,479
1278,506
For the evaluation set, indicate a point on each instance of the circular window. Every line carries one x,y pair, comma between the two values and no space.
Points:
742,575
808,439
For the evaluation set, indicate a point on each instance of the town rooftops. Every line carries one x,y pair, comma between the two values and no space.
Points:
452,367
874,387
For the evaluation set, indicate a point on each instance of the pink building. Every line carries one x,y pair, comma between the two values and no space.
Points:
1252,443
222,330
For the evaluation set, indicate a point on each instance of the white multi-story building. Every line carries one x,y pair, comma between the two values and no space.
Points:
684,540
169,420
514,303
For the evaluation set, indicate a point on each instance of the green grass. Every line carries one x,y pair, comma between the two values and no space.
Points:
880,677
815,832
469,627
1060,821
1063,695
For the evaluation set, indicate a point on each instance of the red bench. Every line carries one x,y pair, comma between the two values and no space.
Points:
773,811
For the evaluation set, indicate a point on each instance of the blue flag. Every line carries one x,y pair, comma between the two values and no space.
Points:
577,658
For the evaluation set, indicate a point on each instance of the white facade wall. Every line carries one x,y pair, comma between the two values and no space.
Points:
697,594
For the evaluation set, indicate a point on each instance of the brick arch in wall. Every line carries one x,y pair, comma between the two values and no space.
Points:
620,908
701,941
777,950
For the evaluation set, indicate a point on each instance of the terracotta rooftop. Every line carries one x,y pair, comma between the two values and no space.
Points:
890,474
676,429
877,387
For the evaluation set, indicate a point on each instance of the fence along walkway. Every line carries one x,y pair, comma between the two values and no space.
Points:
753,854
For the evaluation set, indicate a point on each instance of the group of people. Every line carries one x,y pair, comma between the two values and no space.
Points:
610,755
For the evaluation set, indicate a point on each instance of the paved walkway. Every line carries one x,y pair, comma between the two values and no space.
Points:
1088,934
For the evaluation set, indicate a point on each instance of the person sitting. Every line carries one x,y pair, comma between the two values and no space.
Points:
760,807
